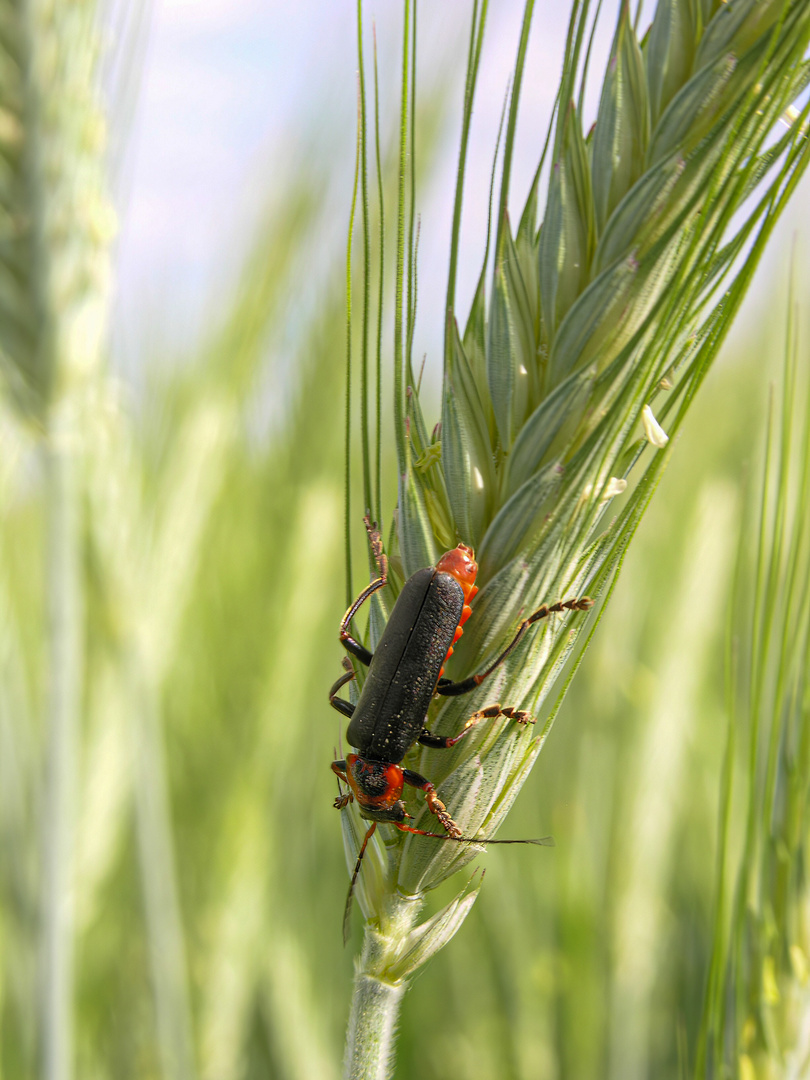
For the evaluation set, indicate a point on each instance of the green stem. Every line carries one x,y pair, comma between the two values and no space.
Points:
473,63
512,122
372,1023
64,647
377,998
363,165
399,362
348,425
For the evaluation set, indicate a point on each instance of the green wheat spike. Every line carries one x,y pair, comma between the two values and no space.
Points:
626,286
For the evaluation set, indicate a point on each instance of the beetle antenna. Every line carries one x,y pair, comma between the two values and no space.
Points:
541,841
347,911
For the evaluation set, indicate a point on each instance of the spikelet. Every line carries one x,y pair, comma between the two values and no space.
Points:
55,217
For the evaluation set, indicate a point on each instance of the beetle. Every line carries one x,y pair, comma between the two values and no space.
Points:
404,674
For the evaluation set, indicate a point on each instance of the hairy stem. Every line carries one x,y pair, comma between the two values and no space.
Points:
377,997
372,1023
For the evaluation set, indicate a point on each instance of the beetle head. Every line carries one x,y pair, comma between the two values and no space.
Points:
377,786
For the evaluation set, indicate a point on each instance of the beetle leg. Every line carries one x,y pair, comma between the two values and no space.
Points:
339,769
342,706
491,712
376,545
381,559
347,911
451,689
435,804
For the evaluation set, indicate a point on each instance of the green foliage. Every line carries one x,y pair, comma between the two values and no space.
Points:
757,999
170,589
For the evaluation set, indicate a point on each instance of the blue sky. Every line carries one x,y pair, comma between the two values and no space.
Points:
224,87
226,84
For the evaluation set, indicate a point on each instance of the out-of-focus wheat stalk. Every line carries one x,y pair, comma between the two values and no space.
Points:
56,228
148,546
118,538
580,357
756,1017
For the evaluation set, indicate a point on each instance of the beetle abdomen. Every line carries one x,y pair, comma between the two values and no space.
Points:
401,680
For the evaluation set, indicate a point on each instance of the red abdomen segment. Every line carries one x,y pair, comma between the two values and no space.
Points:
460,564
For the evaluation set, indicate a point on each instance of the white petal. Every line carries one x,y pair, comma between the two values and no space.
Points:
615,487
652,429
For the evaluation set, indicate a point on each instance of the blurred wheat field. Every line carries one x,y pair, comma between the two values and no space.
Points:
193,831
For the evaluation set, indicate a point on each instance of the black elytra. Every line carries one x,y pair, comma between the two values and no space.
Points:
405,673
390,713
